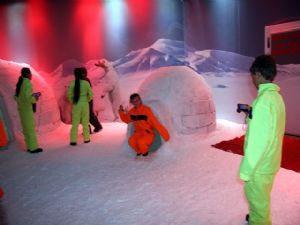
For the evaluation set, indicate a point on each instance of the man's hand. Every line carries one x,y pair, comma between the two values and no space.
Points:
121,108
37,95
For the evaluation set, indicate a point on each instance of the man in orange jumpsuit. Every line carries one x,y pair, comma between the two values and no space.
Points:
144,123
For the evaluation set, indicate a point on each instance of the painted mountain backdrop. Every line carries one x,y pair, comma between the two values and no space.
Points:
226,72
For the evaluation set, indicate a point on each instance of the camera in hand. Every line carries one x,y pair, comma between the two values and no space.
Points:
37,94
244,108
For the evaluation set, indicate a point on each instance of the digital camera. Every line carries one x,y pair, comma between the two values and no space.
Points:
244,108
37,94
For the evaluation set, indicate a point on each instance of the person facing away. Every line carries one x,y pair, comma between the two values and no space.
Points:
263,141
144,122
93,118
79,95
25,100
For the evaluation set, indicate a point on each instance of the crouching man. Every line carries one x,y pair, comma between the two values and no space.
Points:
144,122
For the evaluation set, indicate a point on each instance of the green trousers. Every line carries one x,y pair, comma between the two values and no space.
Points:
258,193
28,128
80,114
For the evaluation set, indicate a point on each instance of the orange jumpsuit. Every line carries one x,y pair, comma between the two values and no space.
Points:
144,123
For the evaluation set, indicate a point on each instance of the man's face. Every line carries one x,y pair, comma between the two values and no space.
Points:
255,79
136,101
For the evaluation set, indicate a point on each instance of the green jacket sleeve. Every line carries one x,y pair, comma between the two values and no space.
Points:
28,93
70,93
25,98
258,139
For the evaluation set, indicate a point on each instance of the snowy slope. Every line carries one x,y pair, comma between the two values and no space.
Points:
102,183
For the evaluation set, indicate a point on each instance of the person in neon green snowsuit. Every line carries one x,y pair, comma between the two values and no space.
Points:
25,100
263,141
80,94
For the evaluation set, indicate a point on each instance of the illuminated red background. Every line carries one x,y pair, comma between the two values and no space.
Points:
46,33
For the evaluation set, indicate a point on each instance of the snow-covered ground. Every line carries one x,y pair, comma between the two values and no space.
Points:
186,182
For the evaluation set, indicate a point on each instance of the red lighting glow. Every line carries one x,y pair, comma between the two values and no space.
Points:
4,49
38,30
141,14
89,22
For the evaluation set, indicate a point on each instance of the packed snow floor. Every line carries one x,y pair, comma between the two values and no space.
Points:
186,182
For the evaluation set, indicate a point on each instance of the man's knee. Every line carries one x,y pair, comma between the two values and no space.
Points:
143,145
132,142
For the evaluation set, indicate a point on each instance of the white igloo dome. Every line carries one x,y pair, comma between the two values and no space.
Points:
47,115
181,99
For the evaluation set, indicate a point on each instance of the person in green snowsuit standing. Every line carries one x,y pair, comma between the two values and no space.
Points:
263,141
25,100
80,94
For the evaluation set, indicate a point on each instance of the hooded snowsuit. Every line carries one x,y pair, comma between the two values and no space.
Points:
262,151
80,110
24,102
144,123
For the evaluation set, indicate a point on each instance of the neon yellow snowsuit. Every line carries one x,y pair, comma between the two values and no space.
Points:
262,151
25,101
80,111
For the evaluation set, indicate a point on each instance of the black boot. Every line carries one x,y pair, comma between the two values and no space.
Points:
96,130
247,218
35,150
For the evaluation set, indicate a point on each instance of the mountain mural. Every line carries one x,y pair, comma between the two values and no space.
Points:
165,52
145,59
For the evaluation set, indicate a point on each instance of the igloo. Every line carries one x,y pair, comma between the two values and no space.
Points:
47,113
181,99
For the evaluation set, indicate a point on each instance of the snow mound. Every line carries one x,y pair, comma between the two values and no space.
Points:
181,99
47,115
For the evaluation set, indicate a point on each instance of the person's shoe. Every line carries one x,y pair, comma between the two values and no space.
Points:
145,154
247,218
86,141
35,150
73,143
96,130
138,154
